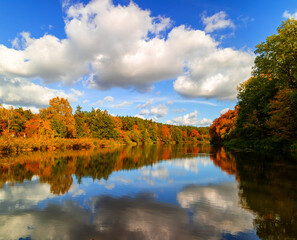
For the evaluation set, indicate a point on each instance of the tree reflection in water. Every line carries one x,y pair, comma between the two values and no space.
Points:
267,184
57,168
268,187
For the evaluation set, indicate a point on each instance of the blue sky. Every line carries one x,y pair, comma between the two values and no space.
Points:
175,61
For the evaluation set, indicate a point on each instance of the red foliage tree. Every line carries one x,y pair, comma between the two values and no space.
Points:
223,126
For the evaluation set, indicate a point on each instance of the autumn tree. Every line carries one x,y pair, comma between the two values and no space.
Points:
176,134
195,134
283,122
59,113
224,126
32,127
135,134
263,98
165,134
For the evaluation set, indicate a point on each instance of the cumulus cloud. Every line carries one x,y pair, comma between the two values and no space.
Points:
105,100
160,172
216,206
139,116
158,111
191,164
224,110
216,22
22,92
125,46
190,119
287,14
23,196
77,92
216,75
140,217
109,99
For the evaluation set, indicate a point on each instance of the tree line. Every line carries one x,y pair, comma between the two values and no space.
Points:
266,113
59,121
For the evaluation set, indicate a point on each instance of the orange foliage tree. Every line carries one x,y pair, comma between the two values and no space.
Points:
59,113
195,134
165,134
224,126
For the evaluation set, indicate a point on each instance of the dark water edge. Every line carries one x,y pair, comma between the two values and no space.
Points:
148,192
263,146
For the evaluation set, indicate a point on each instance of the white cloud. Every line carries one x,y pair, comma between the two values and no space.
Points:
139,116
33,109
104,101
22,92
287,14
190,119
123,46
216,206
216,75
191,164
123,180
148,103
160,110
123,104
224,110
216,22
108,99
23,196
109,186
77,92
159,172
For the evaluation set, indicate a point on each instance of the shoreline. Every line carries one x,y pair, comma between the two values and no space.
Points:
262,146
19,145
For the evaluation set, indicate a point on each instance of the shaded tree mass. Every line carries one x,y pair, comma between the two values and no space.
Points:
266,113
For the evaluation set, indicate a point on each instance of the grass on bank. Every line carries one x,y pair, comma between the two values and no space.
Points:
21,144
17,145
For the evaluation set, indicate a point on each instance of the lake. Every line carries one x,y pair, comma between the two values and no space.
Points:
148,192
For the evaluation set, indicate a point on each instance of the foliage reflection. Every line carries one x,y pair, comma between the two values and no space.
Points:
267,186
57,168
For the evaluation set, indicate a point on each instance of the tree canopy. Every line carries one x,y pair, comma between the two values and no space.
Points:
268,100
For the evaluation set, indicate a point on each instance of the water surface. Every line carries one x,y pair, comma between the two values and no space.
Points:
148,192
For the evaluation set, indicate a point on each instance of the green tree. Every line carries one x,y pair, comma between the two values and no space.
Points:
277,57
102,125
282,123
254,96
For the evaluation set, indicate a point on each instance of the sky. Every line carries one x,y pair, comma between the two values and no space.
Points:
173,61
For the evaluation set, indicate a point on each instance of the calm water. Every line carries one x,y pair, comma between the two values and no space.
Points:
169,192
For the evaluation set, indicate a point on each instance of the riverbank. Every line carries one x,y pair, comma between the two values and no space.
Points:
20,144
263,145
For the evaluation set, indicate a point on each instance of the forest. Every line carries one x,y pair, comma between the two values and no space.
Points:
265,116
58,127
